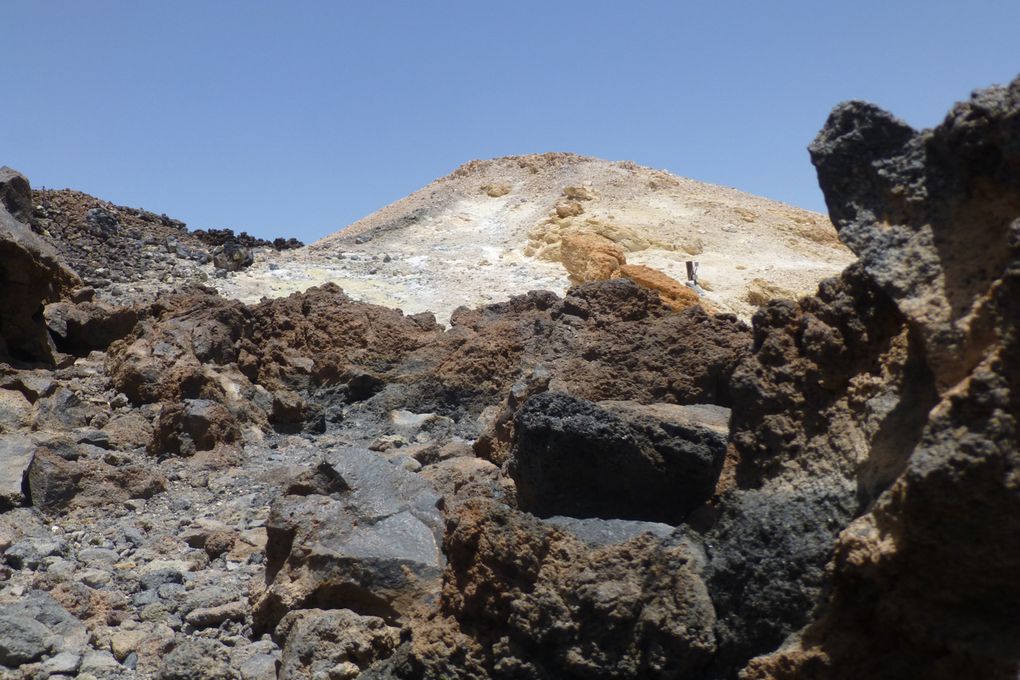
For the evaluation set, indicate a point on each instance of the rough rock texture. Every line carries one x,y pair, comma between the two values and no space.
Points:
31,275
85,327
118,251
16,452
364,536
336,642
36,626
590,257
572,457
673,294
534,601
15,194
232,257
192,487
924,582
195,425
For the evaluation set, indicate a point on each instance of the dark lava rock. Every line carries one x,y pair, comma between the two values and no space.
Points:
572,457
36,626
194,425
30,276
15,194
232,257
85,327
371,546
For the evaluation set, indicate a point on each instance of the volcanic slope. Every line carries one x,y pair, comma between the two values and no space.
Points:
492,229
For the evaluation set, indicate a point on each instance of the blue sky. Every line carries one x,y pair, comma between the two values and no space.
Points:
297,118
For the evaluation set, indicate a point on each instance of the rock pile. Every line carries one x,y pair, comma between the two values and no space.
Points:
588,485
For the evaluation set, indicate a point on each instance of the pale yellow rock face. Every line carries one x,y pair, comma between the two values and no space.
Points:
495,228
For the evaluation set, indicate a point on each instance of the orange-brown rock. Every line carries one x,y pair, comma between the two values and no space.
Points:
590,257
673,294
530,596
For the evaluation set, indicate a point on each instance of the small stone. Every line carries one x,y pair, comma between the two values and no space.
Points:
62,663
98,662
206,617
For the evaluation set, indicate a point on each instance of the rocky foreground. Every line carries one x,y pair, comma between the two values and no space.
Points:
587,486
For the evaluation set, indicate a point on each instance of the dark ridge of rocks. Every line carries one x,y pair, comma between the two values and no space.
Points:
116,250
923,579
221,237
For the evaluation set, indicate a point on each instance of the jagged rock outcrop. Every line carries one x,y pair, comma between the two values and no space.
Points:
31,275
15,194
923,580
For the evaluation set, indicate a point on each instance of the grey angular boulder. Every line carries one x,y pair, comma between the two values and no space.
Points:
53,481
34,627
370,543
87,326
615,460
16,452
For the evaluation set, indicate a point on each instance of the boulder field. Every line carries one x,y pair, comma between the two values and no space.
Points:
603,484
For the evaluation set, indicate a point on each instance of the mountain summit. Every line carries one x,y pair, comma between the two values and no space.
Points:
496,228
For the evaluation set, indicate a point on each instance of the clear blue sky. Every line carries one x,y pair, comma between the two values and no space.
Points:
296,118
